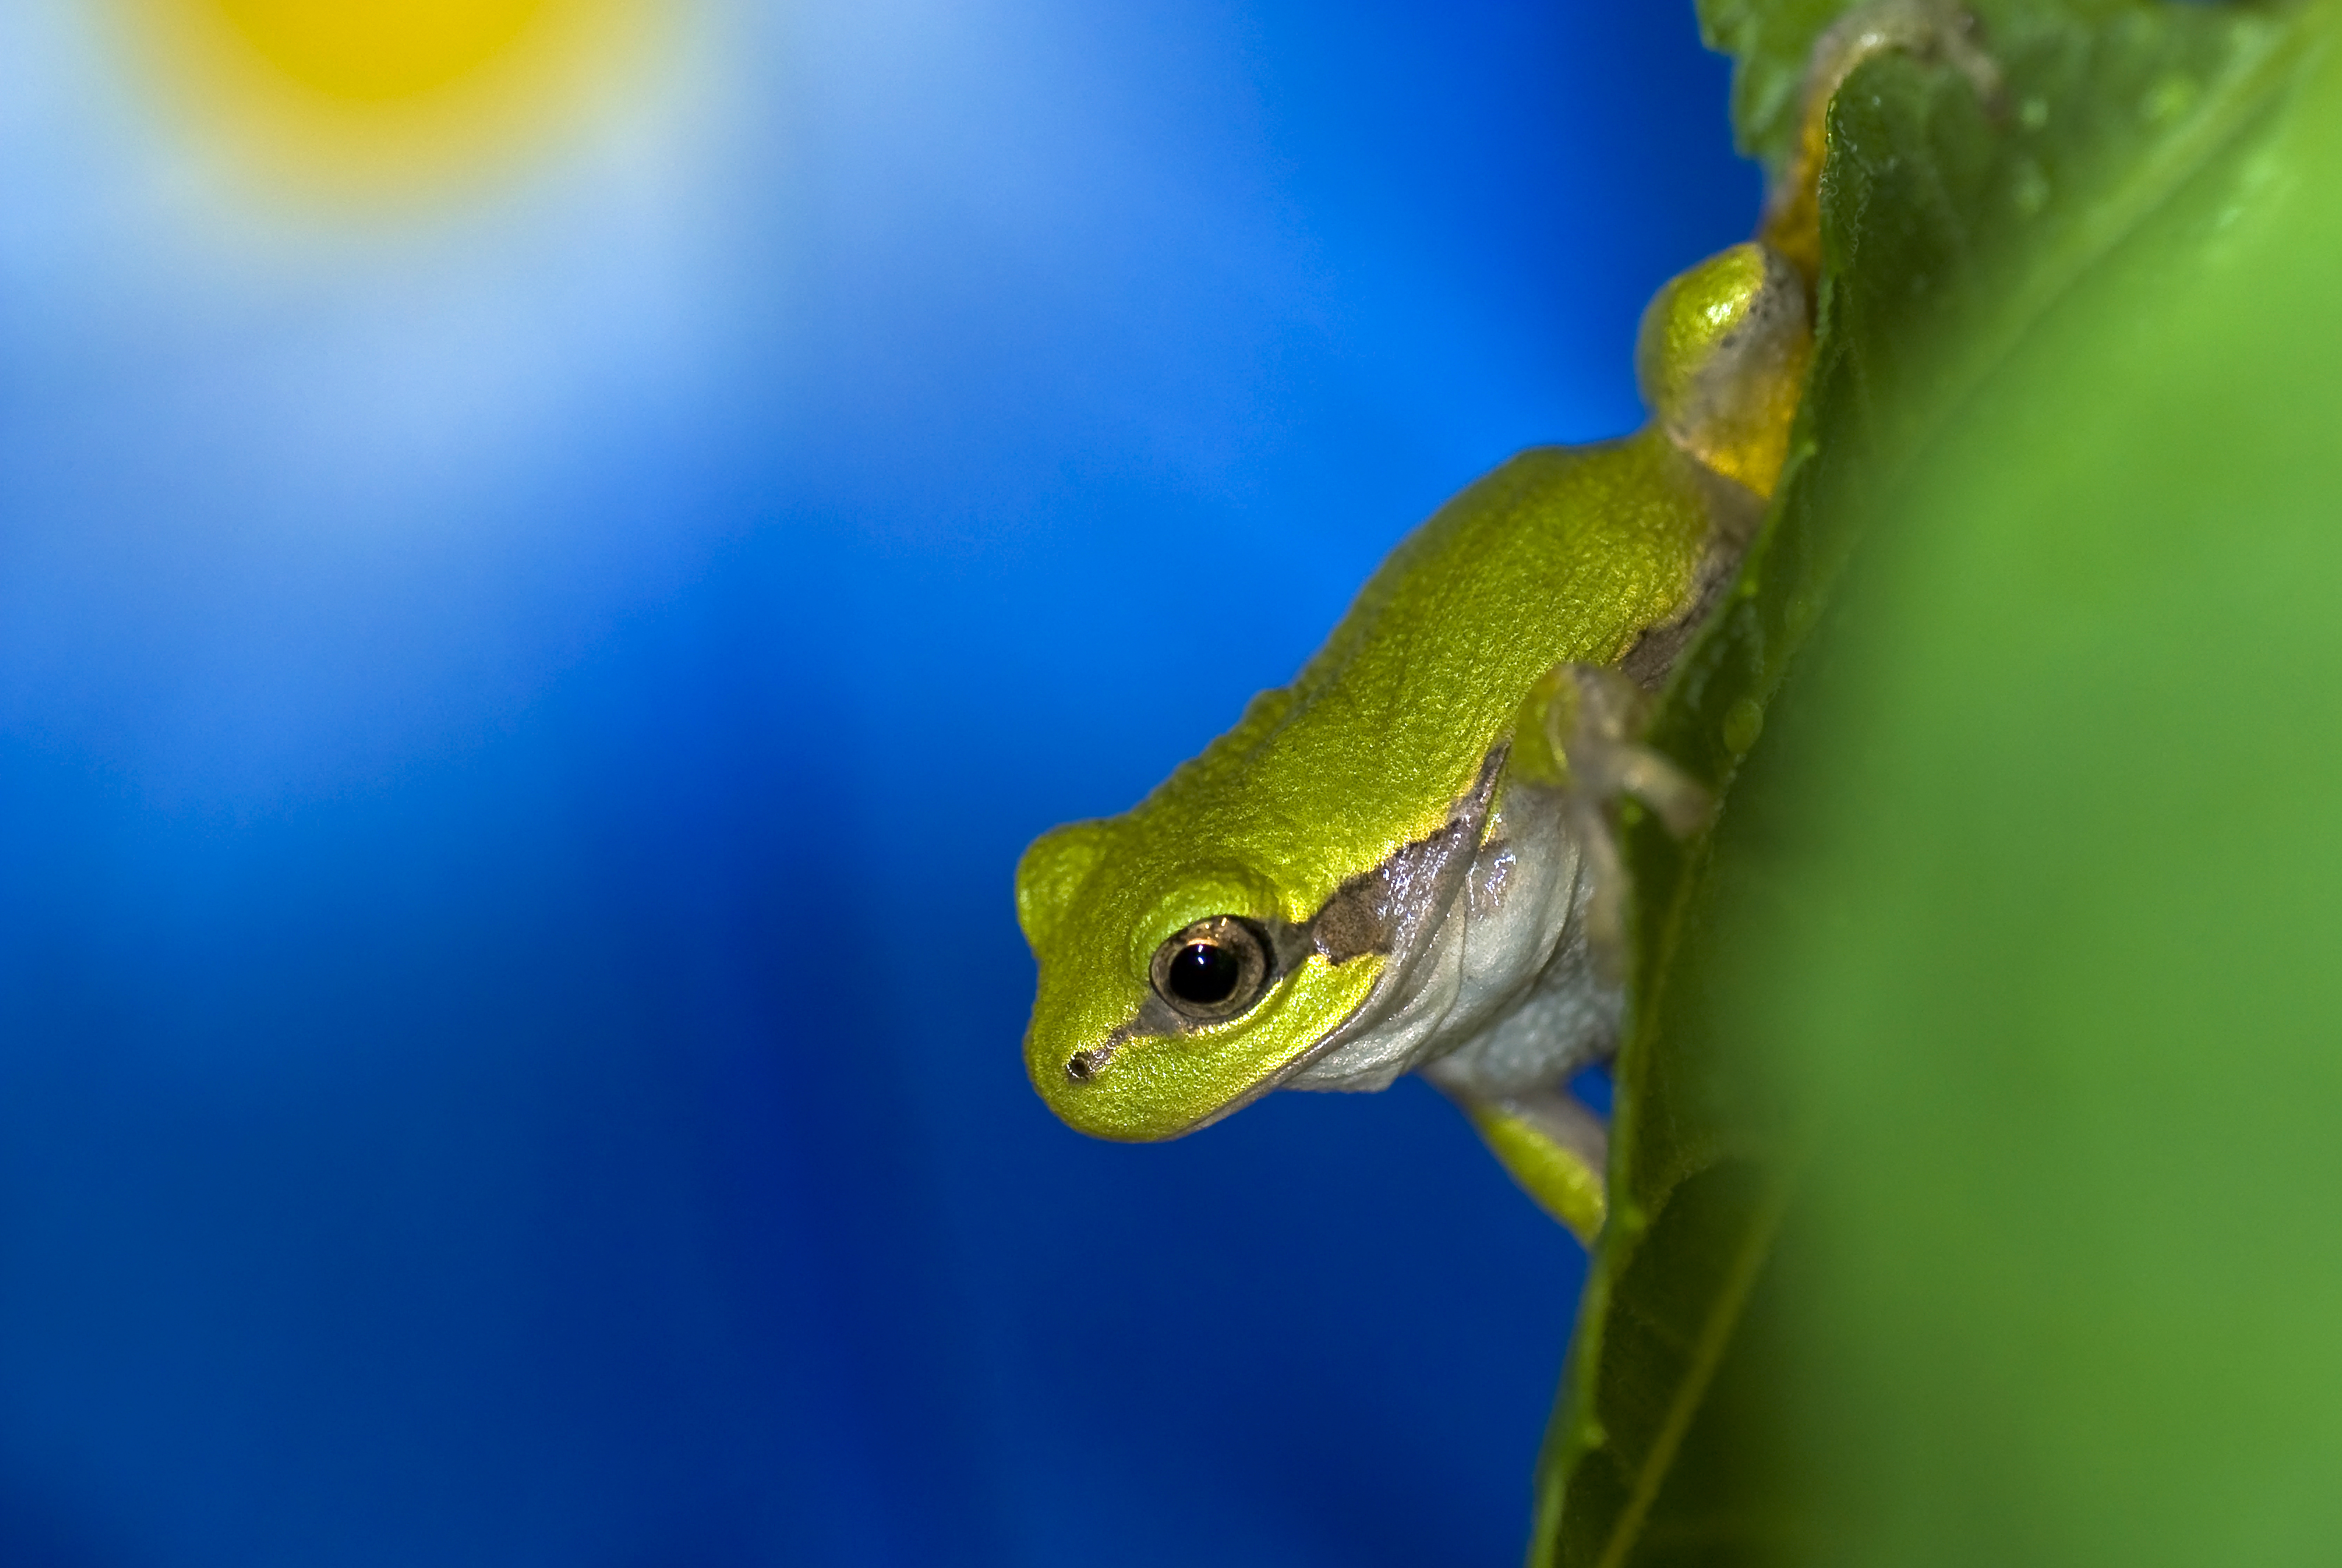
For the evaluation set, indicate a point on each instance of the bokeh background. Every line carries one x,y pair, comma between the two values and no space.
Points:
552,554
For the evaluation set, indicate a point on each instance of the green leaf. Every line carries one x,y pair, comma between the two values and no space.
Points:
2013,926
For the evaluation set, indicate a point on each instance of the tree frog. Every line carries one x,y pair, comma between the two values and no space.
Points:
1403,863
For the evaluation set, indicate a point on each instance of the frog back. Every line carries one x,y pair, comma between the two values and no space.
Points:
1563,554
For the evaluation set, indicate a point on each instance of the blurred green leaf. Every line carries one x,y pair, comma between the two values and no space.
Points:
1983,1094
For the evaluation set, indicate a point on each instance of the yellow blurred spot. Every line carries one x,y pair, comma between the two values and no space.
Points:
367,96
380,49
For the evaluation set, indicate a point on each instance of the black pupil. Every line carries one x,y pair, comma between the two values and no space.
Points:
1205,973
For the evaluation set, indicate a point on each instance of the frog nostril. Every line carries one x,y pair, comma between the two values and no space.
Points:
1082,1065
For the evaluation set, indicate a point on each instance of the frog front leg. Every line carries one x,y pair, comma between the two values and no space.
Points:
1555,1148
1575,756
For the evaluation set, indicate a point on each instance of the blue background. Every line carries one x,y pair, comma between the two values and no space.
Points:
518,714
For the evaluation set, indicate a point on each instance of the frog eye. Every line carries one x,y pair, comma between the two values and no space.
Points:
1216,968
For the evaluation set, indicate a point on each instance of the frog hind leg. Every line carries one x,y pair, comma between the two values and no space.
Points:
1931,30
1555,1148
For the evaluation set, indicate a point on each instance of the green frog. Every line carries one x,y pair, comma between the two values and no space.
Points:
1403,861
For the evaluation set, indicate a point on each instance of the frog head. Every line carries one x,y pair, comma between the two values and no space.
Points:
1181,978
1174,988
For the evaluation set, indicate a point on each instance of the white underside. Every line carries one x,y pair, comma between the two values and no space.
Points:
1502,995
